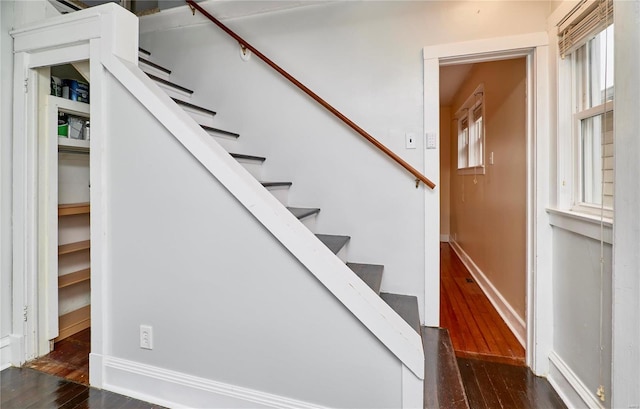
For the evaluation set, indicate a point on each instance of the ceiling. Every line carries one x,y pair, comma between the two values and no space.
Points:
451,77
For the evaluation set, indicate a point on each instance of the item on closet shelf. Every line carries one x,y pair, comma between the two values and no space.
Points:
56,86
76,127
63,125
87,130
75,90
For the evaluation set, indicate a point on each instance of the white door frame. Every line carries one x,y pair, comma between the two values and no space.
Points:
94,34
539,315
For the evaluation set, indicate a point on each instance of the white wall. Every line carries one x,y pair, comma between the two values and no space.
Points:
577,286
363,57
6,101
226,301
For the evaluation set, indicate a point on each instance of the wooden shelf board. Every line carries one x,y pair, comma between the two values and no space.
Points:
74,247
73,208
73,322
74,278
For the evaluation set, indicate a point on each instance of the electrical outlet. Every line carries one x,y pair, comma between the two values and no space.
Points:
146,337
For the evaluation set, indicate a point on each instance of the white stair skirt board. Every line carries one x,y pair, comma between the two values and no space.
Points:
281,193
506,311
150,69
252,166
572,391
175,389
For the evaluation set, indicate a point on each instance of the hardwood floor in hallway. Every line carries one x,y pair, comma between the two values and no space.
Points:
476,329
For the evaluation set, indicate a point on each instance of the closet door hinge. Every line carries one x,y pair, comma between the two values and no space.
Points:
25,313
26,85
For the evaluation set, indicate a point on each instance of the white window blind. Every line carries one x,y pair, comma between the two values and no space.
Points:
588,18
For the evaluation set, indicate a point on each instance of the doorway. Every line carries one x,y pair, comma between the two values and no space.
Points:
64,289
483,116
534,47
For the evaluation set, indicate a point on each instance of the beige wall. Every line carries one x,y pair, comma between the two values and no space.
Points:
445,171
488,218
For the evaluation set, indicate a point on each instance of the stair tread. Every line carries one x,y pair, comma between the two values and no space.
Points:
371,274
222,131
274,184
334,242
169,83
406,306
154,65
248,157
193,106
443,387
302,212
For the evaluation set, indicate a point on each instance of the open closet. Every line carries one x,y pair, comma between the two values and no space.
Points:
65,225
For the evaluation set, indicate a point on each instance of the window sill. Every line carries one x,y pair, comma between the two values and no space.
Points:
583,224
475,170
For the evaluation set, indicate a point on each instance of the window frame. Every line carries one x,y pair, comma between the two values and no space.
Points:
577,115
466,112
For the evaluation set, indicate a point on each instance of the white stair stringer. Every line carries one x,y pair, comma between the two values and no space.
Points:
394,333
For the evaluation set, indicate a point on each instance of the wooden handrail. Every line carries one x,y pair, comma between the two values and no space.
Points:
419,176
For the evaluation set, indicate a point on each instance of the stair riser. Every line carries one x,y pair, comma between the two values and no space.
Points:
174,92
142,54
281,193
252,166
230,144
342,254
310,222
153,70
199,116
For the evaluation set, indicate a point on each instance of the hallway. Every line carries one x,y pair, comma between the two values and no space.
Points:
476,329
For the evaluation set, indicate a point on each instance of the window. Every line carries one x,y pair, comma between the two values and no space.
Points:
586,44
471,134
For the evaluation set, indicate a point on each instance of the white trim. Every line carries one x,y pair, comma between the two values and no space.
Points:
445,238
178,390
412,390
515,323
583,224
572,391
481,50
5,352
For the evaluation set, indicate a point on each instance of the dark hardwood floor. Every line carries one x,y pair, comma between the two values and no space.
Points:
476,328
493,385
26,388
69,358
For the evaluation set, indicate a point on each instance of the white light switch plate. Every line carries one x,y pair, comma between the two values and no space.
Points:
410,139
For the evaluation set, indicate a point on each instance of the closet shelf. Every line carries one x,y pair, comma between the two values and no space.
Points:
74,247
74,278
73,322
73,208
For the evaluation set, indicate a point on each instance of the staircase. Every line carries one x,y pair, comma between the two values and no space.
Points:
443,386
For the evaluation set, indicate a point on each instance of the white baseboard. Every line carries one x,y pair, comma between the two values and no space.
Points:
506,311
178,390
444,238
572,391
5,352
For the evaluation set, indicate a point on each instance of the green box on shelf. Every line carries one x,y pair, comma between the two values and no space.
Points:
63,130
